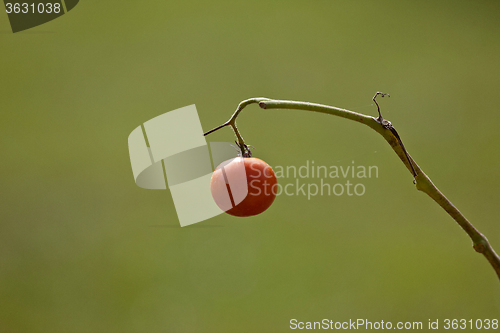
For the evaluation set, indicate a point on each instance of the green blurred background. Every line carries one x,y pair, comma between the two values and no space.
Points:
83,249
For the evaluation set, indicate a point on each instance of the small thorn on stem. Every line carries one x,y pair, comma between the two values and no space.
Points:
380,119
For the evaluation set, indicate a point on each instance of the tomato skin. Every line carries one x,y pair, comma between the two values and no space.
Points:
260,181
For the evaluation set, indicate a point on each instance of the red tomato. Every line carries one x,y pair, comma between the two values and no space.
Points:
243,186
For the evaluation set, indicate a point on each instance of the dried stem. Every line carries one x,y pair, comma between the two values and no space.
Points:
245,151
384,128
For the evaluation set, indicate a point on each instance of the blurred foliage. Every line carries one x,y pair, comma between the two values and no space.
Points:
83,249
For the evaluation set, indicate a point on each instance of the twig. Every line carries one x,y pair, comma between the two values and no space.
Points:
245,151
384,128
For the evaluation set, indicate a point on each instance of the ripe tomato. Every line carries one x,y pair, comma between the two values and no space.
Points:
243,186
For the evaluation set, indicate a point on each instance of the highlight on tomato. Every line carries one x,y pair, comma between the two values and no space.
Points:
244,186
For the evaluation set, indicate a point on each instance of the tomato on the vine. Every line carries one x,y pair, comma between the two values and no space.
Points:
244,186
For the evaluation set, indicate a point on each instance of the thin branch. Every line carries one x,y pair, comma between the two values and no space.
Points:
217,128
384,128
423,182
245,150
